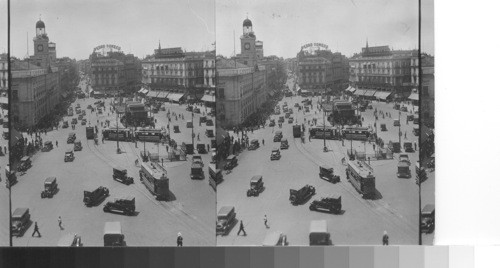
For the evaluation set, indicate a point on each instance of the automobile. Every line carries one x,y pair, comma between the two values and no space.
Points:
302,195
287,115
176,129
290,120
296,105
71,137
275,239
396,106
284,144
409,117
196,110
80,117
306,109
404,169
99,110
395,147
404,157
120,175
327,174
277,112
113,235
201,148
125,205
95,197
209,133
327,204
254,144
416,121
49,187
89,106
216,176
203,119
197,159
383,127
275,154
189,108
396,123
84,113
416,131
47,146
70,240
78,105
318,233
5,135
369,107
154,110
278,135
65,124
408,147
210,122
77,145
78,111
197,171
189,124
74,121
226,219
69,156
24,164
404,109
281,119
272,123
256,186
10,177
21,220
427,216
84,122
231,162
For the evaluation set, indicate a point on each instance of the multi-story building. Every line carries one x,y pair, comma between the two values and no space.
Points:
427,94
4,81
320,70
252,50
384,70
240,91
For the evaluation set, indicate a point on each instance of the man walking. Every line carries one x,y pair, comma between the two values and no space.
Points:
265,221
385,239
36,230
179,240
60,222
242,229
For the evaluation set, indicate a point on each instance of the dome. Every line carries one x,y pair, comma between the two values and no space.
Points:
40,24
247,23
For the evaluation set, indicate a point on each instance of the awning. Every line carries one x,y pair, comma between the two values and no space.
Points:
350,89
359,92
162,95
382,95
413,96
176,96
152,94
143,91
369,93
208,98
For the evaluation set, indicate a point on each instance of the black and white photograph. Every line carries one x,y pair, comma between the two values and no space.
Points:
112,115
4,121
318,120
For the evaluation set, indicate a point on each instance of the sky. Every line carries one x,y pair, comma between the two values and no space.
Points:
344,25
136,26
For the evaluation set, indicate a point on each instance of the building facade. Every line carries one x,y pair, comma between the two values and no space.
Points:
380,68
4,74
427,94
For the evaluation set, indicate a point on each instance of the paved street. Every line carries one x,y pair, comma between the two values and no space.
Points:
191,211
363,222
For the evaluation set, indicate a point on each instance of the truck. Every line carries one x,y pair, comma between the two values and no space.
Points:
113,235
90,133
327,204
318,233
302,195
95,197
197,171
297,132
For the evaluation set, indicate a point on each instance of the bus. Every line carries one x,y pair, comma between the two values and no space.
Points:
320,132
113,134
154,135
155,180
357,133
360,175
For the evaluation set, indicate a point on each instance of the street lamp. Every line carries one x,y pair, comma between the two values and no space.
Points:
117,135
324,125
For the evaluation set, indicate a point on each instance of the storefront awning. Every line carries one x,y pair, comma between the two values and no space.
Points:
208,98
175,96
382,95
350,89
369,93
152,94
359,92
162,95
413,96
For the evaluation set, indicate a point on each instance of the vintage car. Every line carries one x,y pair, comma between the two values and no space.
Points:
277,136
383,127
409,117
290,120
275,154
80,117
281,119
327,204
416,131
189,124
256,186
226,219
203,119
74,121
404,109
396,123
84,122
196,110
272,123
124,205
287,115
275,239
189,108
69,156
10,177
408,147
210,122
65,124
327,174
24,164
71,137
254,144
427,223
395,147
302,195
21,220
284,144
416,121
77,145
306,109
201,148
176,129
84,113
231,162
197,159
49,187
197,171
120,175
47,146
209,133
95,197
404,169
404,157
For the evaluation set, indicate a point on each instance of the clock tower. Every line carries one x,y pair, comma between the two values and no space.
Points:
41,45
248,51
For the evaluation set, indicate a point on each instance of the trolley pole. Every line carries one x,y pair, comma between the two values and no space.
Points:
117,134
400,126
420,122
324,124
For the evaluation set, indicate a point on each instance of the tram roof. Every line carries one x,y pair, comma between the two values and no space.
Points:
362,168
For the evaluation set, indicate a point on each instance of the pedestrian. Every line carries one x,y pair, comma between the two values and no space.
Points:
374,146
265,221
60,222
405,134
36,230
242,229
385,239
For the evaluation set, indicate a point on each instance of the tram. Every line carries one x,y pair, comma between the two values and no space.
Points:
155,181
360,175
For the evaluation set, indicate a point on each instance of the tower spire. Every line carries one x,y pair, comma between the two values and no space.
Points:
159,45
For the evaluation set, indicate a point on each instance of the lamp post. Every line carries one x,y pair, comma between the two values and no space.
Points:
117,135
324,124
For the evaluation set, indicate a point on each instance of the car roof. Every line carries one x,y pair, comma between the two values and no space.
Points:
225,210
256,178
19,212
318,226
25,158
69,150
114,227
50,179
428,208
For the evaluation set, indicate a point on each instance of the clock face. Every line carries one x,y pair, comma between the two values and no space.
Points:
39,47
247,46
